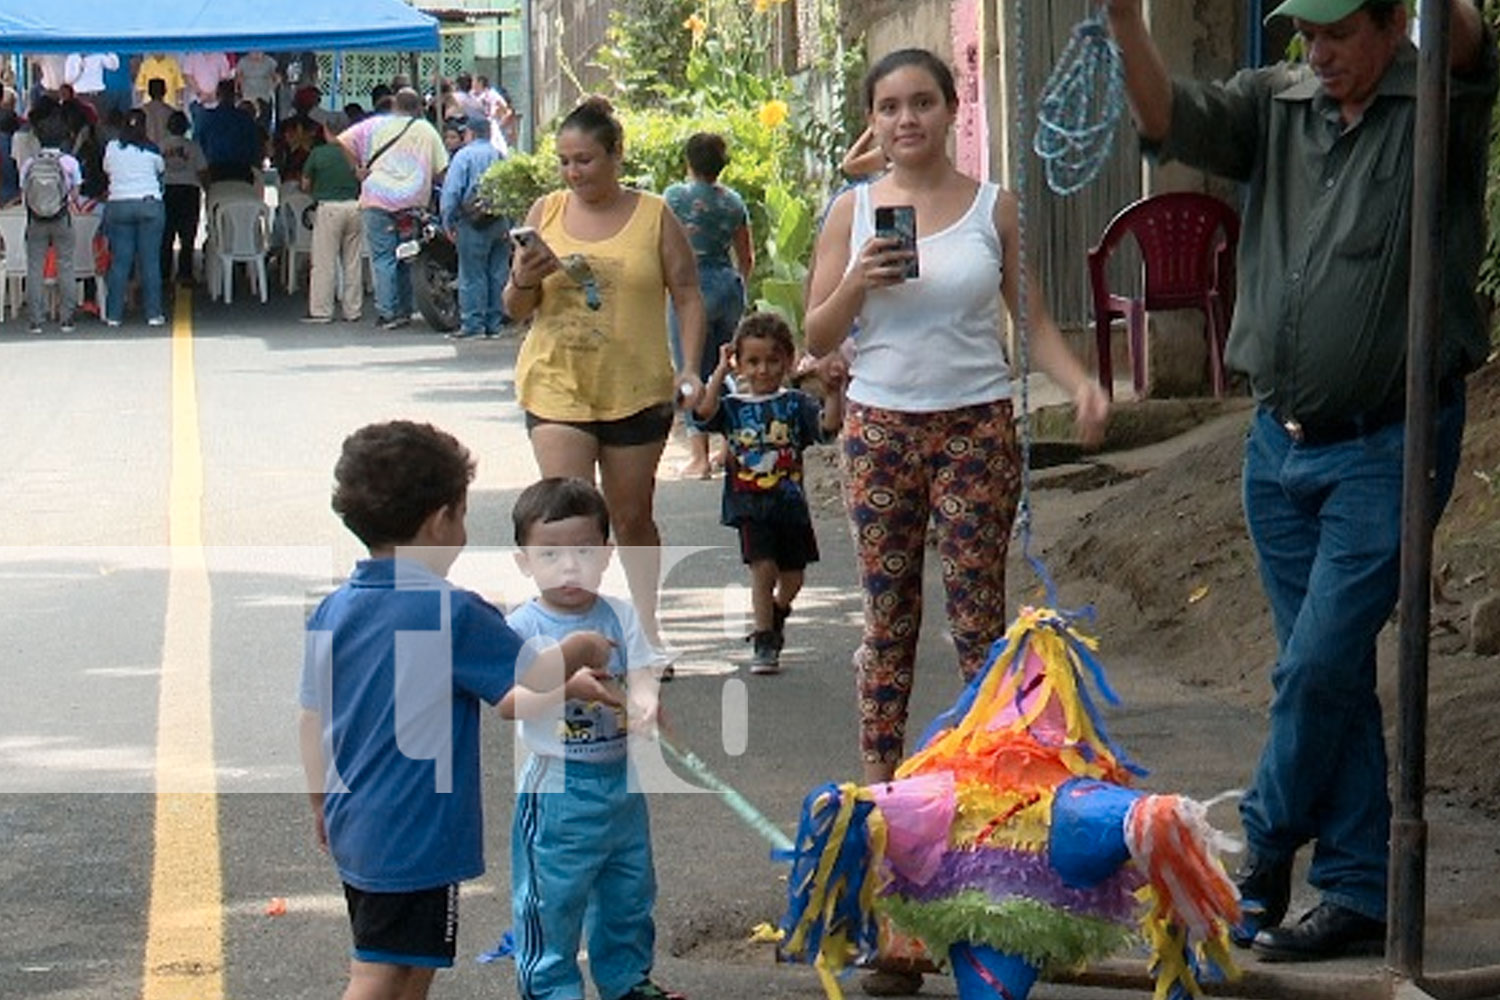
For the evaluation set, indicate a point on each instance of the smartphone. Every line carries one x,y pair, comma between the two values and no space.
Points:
899,222
526,236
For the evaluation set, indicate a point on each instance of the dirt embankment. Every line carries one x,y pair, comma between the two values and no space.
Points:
1165,560
1170,567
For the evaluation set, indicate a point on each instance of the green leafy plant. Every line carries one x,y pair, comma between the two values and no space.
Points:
788,246
643,54
512,184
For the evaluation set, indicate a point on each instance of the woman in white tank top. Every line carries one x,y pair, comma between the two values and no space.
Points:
929,433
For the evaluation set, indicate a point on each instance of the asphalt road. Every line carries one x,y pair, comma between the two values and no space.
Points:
130,666
99,473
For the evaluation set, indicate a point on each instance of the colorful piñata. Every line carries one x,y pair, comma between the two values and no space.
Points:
1012,843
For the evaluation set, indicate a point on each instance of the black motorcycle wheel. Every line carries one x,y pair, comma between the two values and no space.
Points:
435,289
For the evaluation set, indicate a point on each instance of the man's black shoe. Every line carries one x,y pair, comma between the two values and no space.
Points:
1265,886
1326,931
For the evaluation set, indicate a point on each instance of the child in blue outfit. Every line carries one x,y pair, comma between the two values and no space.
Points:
581,840
396,664
767,427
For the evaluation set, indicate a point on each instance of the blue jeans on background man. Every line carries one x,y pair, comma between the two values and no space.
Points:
134,228
483,267
392,277
1326,523
723,304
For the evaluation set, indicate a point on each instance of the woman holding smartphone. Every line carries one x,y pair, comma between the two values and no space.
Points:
594,374
929,433
928,430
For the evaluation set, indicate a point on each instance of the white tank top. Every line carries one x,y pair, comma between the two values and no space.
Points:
934,342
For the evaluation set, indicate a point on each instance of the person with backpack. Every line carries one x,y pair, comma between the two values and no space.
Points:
482,239
49,181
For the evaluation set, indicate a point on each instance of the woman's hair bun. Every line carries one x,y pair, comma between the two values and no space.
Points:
597,103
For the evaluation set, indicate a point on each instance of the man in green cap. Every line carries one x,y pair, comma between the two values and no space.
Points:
1324,151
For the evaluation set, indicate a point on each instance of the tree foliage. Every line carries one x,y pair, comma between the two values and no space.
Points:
643,60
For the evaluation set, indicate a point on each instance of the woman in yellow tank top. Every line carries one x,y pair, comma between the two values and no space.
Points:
594,374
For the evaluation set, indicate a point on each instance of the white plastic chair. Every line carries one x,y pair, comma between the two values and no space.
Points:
298,237
219,192
13,281
85,227
242,235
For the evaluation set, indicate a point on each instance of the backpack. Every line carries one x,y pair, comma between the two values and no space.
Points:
46,188
476,211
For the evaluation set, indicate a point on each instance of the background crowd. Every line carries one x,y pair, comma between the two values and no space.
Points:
220,125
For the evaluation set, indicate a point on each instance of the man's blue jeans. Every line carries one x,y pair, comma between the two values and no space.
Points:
483,267
1326,523
392,277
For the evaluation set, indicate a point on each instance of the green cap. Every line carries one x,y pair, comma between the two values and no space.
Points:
1324,11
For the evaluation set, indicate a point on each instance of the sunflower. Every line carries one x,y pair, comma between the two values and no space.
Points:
773,113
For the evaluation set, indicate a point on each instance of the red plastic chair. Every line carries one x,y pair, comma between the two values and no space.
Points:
1187,243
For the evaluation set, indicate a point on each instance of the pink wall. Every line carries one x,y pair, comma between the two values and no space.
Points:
972,146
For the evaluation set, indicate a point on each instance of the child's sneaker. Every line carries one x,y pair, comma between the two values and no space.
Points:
647,990
766,658
779,616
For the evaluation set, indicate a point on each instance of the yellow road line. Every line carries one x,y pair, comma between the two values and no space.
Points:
185,926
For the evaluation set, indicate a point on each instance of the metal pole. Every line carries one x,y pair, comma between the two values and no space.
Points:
1407,893
527,96
1255,35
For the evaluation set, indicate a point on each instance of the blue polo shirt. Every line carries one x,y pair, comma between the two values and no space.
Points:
397,661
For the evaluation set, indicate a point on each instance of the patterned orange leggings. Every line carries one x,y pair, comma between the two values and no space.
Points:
959,469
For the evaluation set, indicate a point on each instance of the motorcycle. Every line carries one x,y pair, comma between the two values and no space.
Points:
433,258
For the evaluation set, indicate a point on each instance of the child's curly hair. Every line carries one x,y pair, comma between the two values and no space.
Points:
391,477
765,326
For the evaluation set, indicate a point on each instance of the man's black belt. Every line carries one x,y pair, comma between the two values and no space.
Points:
1316,433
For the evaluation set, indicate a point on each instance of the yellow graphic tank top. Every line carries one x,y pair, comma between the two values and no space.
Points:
582,364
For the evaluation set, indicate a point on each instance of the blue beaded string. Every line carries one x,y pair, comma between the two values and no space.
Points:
1081,104
1080,107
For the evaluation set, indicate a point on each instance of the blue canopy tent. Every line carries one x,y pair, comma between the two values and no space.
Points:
129,26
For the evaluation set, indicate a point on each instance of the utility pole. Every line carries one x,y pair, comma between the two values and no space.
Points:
527,111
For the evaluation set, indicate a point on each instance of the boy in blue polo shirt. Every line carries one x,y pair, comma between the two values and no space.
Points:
397,662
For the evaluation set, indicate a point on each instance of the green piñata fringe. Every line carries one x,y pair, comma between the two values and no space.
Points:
1047,937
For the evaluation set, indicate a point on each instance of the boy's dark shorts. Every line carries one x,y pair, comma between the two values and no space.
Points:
647,426
405,928
790,545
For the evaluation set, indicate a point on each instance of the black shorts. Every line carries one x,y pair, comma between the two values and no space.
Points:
648,426
405,928
791,546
